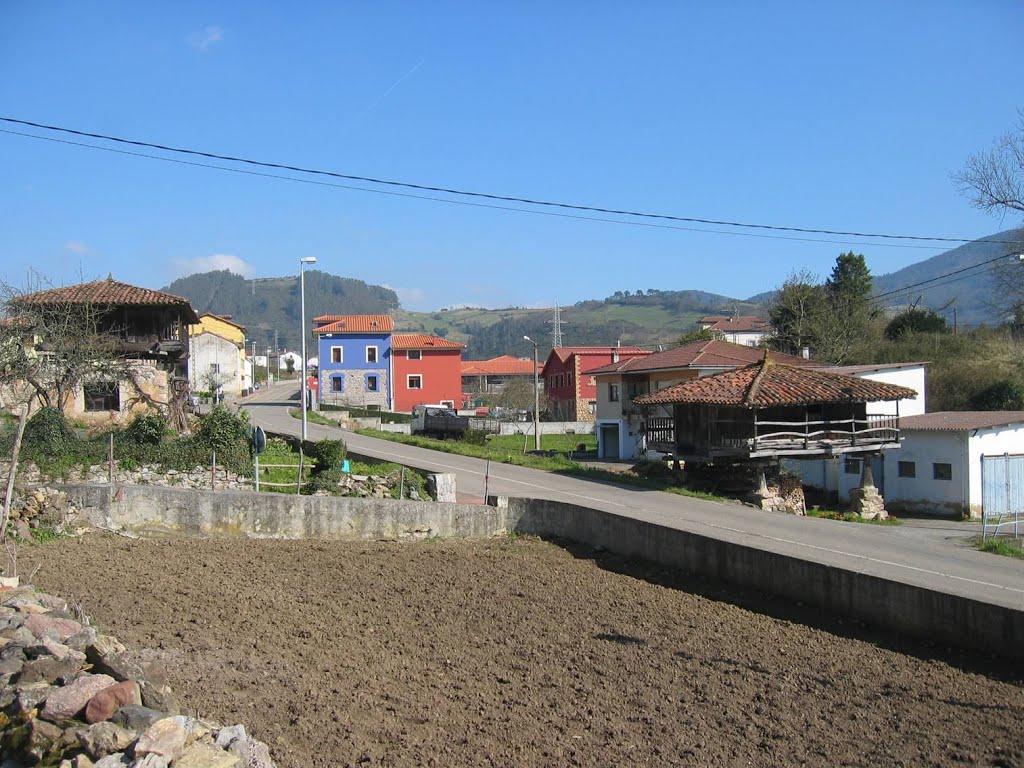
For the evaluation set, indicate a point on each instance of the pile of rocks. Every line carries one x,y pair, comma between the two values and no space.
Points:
73,698
45,507
373,486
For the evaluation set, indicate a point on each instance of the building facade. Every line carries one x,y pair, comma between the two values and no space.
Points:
427,370
354,354
569,384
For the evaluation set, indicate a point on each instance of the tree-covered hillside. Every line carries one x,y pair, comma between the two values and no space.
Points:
266,305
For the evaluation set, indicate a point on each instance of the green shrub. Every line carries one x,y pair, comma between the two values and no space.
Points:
1003,395
474,437
326,480
147,429
329,454
222,430
48,433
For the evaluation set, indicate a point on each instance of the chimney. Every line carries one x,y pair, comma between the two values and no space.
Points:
805,353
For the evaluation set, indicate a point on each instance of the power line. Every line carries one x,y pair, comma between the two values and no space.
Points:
479,195
947,274
448,201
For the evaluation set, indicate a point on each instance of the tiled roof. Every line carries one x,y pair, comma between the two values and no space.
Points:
109,292
506,365
354,324
422,341
961,421
733,324
564,353
767,383
701,354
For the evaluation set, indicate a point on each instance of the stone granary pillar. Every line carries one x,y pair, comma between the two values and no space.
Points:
866,501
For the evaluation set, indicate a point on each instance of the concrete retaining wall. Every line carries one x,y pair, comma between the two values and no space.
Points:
912,610
152,509
916,611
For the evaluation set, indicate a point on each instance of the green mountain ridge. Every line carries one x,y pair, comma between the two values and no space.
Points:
649,318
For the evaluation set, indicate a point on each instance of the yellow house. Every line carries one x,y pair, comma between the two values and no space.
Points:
217,360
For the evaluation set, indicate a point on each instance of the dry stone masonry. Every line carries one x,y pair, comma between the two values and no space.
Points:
74,698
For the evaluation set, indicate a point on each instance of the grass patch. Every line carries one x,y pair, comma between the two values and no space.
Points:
314,416
850,517
1000,546
487,451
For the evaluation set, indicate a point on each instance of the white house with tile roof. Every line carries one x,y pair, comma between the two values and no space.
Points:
938,466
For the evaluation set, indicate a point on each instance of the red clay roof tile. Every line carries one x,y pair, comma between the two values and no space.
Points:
767,384
422,341
354,324
109,292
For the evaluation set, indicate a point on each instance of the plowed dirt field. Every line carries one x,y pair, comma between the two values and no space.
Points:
519,652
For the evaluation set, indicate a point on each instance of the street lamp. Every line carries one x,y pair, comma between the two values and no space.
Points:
536,397
302,305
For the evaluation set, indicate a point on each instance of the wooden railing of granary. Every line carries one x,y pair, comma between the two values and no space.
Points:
753,436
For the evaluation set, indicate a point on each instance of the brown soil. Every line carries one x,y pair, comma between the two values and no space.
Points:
523,653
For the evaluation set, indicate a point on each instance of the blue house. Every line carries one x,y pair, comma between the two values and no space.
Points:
355,360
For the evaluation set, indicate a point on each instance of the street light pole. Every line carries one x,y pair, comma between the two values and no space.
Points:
302,311
536,396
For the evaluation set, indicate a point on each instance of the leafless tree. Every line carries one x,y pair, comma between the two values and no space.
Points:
994,180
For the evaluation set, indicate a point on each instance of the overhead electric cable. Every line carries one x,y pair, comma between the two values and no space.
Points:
449,201
482,195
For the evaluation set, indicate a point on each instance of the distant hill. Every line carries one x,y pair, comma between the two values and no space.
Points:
647,319
969,291
265,305
271,304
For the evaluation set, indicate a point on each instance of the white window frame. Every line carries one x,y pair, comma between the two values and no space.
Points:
341,355
413,354
376,353
408,380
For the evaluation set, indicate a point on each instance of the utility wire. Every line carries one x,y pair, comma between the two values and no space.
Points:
947,274
492,206
481,195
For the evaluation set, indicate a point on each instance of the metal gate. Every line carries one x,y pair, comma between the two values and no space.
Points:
1002,495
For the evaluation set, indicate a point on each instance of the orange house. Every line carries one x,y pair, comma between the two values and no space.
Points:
426,369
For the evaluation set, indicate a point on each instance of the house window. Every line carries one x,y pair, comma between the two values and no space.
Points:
851,466
336,355
371,354
414,381
337,384
371,383
907,469
214,367
102,396
942,471
413,354
613,393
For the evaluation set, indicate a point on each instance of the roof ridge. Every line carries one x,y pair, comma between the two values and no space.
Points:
755,386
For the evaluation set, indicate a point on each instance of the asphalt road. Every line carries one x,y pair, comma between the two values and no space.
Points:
932,554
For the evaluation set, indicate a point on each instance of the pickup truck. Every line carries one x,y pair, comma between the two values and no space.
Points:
438,421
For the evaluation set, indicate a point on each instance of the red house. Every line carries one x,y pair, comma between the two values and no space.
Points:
426,369
571,391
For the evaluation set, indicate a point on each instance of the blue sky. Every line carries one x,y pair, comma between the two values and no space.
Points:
823,115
